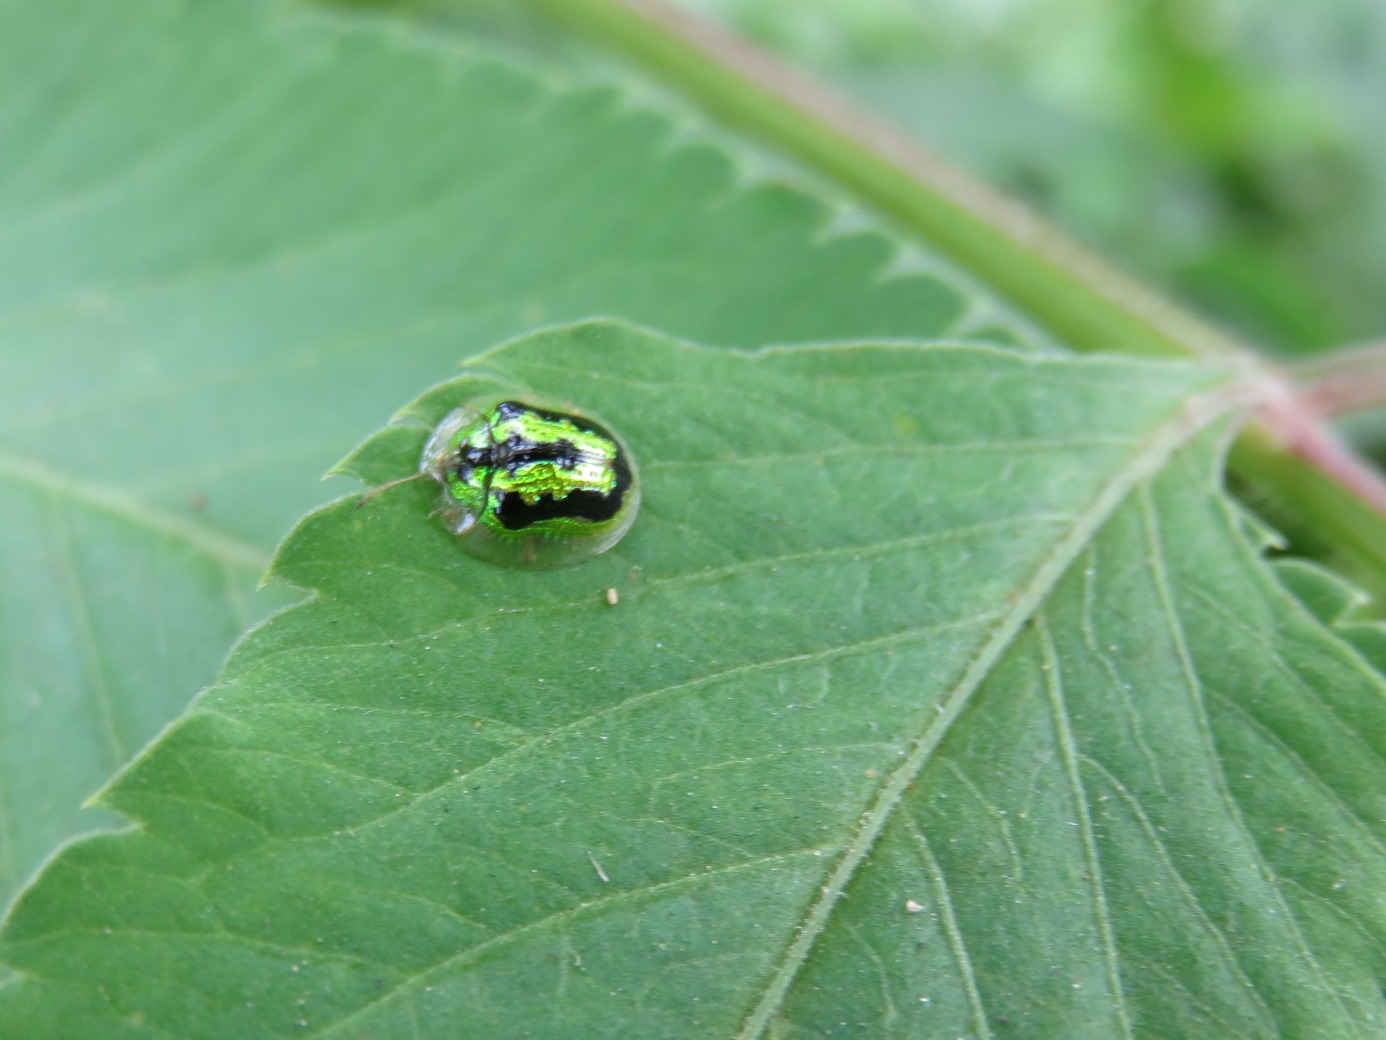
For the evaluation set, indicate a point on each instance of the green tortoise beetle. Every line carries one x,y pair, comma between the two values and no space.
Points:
529,486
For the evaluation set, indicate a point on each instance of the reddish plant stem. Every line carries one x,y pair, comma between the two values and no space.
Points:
1296,420
1347,381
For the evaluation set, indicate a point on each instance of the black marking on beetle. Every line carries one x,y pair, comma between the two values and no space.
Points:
516,452
515,514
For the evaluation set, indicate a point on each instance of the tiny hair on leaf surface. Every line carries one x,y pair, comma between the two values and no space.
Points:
947,695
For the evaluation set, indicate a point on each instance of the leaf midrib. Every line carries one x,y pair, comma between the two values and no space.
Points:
1192,417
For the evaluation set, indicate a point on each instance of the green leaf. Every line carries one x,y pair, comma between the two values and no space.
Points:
232,236
945,696
937,672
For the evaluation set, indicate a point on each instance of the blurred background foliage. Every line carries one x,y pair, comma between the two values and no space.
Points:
1230,152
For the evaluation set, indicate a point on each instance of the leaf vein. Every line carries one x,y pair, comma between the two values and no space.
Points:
547,737
1164,440
605,904
948,916
1194,687
1068,748
113,503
